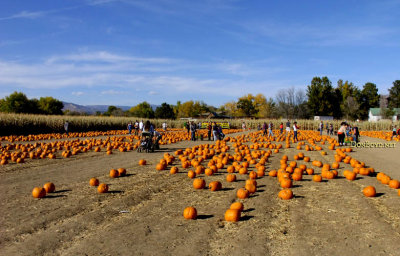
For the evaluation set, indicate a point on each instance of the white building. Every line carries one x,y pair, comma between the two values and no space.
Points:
375,115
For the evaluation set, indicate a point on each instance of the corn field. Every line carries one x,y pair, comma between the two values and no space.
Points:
24,124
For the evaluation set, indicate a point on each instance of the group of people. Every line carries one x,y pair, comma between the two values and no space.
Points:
347,131
268,129
329,128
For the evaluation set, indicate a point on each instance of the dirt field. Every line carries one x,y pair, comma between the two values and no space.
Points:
142,213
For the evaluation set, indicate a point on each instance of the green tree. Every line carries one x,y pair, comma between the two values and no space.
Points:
164,111
143,110
350,93
110,109
50,106
245,105
394,95
17,102
368,98
322,97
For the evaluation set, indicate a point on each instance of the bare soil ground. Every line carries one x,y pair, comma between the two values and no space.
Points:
142,213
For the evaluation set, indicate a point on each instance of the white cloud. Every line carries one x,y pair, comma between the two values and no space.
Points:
112,92
24,14
78,93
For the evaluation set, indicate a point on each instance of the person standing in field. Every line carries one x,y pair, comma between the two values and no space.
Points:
244,126
342,133
321,128
288,126
270,127
209,128
66,126
129,128
281,128
136,126
356,134
394,131
331,129
215,131
164,126
193,131
264,128
295,129
141,126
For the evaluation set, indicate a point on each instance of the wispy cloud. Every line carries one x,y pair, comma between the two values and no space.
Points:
115,74
78,93
25,14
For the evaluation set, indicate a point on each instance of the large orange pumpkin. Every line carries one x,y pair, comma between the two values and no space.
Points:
102,188
199,183
394,184
237,206
232,215
190,213
191,174
369,191
49,187
285,194
38,192
242,193
94,182
114,173
215,186
317,178
231,177
286,183
121,172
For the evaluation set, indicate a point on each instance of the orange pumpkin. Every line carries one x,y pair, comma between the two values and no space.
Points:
369,191
191,174
114,173
94,182
394,184
173,170
242,193
199,183
142,162
38,192
286,183
49,187
215,186
190,213
232,215
237,206
317,178
285,194
102,188
121,172
230,177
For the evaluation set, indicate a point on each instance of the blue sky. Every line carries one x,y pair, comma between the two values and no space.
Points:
122,52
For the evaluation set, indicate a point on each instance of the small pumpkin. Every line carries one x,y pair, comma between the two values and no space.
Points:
232,215
215,186
49,187
94,182
191,174
190,213
102,188
394,184
369,191
317,178
231,177
114,173
242,193
38,192
285,194
121,172
199,183
237,206
173,170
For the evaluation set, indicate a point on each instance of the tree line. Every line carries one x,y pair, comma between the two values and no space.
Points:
319,99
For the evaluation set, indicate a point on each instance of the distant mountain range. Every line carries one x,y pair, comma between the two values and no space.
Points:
92,109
